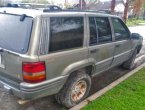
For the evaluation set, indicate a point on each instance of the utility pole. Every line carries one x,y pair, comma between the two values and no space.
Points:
113,2
81,4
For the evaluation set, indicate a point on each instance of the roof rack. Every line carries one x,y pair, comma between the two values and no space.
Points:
92,11
45,7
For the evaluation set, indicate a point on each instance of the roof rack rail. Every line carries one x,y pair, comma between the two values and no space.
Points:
45,7
68,10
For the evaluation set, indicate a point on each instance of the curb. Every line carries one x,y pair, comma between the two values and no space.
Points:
110,86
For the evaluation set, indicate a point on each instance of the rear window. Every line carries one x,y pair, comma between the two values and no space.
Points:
15,33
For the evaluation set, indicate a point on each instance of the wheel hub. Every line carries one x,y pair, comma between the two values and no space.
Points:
79,90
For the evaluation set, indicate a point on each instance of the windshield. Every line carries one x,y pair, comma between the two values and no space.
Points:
15,33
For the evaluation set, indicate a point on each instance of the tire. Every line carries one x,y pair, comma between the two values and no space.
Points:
67,96
130,64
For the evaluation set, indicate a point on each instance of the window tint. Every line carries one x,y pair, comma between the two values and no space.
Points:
120,30
104,30
14,33
66,33
100,31
93,31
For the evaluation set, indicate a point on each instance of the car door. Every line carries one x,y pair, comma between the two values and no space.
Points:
101,48
123,43
62,46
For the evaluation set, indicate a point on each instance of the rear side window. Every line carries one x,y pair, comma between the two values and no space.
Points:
14,33
93,31
120,30
66,33
100,31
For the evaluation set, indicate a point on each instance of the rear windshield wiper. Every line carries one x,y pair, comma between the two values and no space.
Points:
22,17
1,50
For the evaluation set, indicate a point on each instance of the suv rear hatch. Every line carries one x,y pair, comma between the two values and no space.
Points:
15,32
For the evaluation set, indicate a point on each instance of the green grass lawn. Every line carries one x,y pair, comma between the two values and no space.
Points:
129,95
134,22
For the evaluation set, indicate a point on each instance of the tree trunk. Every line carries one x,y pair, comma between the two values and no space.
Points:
138,6
126,10
82,4
113,6
144,15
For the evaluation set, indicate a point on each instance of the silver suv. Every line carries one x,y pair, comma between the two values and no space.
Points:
58,52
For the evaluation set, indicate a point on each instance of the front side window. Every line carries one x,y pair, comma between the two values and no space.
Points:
66,33
100,31
120,30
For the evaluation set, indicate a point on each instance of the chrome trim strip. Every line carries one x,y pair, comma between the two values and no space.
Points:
106,60
122,54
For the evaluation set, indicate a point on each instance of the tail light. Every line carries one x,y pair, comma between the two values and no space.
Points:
34,72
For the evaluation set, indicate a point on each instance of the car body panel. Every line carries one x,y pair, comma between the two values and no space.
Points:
59,65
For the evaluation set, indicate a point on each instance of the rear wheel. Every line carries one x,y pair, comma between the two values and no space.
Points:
75,90
130,64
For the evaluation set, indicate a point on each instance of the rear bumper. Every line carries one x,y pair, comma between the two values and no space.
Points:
32,91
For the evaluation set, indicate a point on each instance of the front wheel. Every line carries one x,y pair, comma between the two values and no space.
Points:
130,64
75,90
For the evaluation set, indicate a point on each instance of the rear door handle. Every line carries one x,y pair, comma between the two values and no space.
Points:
117,45
94,50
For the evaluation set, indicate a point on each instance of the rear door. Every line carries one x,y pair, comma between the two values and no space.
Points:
101,47
123,43
63,44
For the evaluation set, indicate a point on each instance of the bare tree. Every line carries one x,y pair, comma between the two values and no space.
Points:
91,3
82,4
126,6
144,11
138,6
113,2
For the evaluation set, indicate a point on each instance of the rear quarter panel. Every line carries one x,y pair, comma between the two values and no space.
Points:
56,63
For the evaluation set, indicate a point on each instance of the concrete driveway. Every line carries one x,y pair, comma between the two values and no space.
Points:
138,29
141,31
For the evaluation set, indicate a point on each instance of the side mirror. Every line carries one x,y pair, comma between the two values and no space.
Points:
136,36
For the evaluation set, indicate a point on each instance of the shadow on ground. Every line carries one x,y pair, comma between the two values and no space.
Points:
9,102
